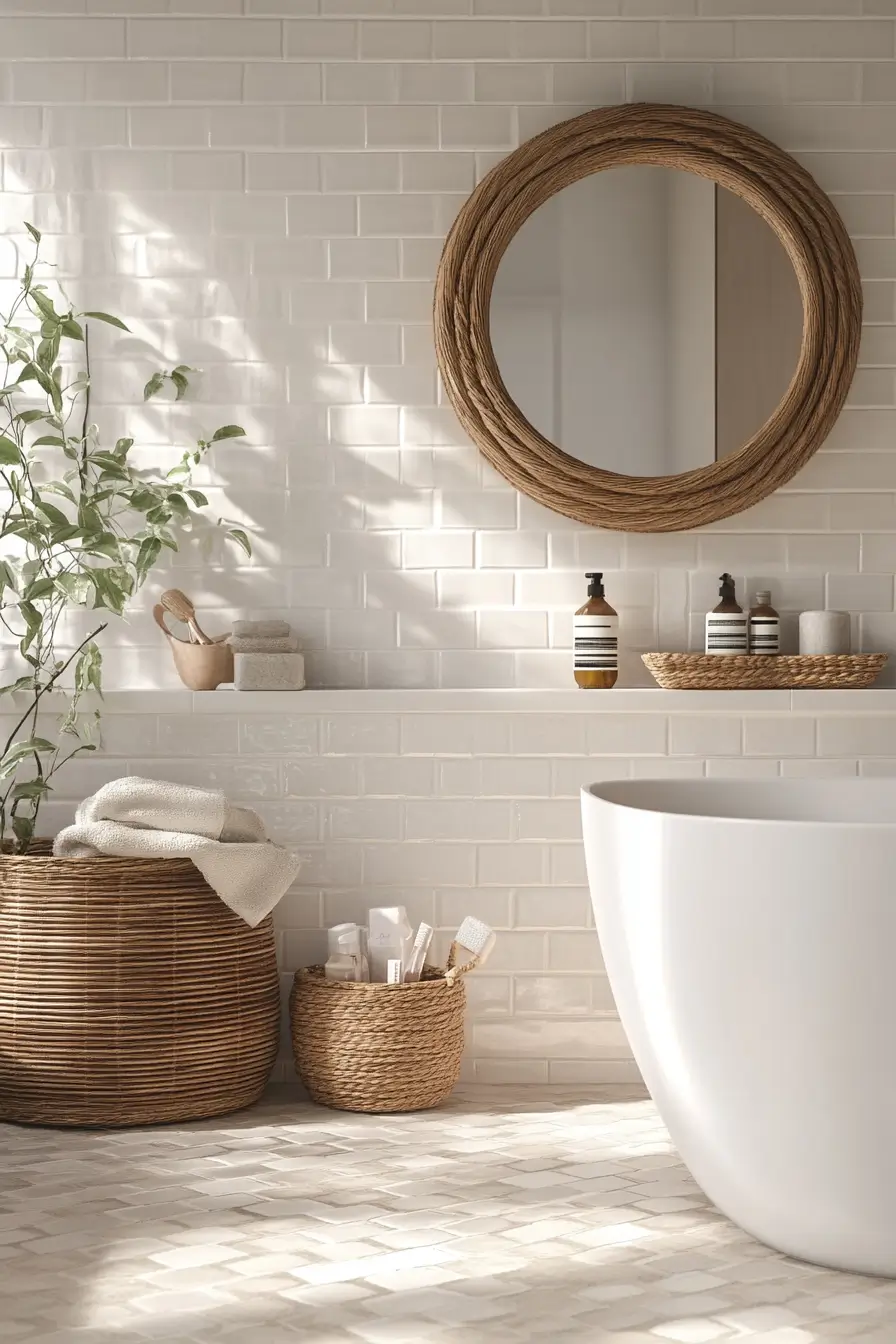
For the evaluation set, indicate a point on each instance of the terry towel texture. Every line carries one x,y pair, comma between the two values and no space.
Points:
149,819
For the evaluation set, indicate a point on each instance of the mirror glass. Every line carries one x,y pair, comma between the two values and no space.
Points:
646,321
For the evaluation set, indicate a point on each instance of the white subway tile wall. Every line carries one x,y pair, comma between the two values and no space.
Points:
455,811
262,190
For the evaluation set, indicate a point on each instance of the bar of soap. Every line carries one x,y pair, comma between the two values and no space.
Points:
261,629
254,644
269,671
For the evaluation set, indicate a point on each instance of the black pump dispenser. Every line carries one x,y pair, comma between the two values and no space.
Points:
726,591
595,585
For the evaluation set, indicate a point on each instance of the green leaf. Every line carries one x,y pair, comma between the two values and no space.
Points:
241,538
181,383
75,587
198,498
147,556
184,368
103,543
44,303
109,319
72,329
228,432
41,587
7,577
88,670
123,447
155,384
178,504
29,417
48,441
50,511
18,752
57,488
23,684
32,788
143,498
23,828
68,532
48,351
35,233
30,615
10,452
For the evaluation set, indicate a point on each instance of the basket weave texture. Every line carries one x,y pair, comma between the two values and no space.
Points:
378,1048
129,994
764,672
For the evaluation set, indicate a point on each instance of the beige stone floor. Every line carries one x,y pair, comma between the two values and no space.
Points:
510,1215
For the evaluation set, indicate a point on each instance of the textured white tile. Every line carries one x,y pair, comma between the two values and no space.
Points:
781,735
710,735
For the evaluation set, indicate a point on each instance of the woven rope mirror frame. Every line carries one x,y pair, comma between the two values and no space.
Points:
733,156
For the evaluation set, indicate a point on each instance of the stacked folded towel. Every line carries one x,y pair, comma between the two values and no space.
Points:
150,819
265,657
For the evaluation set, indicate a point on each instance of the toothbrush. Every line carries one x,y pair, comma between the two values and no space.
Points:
476,938
418,953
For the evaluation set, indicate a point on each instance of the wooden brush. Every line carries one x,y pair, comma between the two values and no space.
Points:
182,609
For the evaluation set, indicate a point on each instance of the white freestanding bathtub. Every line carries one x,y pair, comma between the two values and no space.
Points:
749,933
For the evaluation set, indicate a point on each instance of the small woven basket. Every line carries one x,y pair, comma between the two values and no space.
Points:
129,994
379,1048
764,672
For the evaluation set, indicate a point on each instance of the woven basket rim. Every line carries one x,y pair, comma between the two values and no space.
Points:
99,860
778,658
315,975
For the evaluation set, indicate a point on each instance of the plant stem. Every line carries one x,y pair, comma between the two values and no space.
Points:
43,689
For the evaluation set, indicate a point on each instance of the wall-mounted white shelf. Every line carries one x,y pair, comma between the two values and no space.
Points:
641,700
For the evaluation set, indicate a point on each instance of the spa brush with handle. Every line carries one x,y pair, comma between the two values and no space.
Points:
182,609
472,946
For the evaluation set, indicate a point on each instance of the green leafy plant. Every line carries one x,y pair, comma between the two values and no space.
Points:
80,527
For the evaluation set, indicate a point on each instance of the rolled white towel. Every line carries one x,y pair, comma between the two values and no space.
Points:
145,818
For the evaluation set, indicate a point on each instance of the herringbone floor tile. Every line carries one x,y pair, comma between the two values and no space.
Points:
508,1216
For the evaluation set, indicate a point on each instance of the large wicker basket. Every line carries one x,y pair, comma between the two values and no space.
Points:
379,1048
129,994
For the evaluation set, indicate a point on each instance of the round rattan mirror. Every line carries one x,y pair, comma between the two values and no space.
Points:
730,155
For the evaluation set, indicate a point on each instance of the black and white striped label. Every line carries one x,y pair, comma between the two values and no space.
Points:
726,632
596,643
764,634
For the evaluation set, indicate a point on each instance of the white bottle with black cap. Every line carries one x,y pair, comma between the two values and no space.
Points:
596,639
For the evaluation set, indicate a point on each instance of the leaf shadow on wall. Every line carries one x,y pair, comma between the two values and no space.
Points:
338,476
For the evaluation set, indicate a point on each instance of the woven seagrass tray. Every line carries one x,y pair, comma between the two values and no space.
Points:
378,1048
763,672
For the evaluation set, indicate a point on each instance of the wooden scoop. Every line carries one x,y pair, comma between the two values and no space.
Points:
182,609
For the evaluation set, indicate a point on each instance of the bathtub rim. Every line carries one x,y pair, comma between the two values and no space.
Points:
712,787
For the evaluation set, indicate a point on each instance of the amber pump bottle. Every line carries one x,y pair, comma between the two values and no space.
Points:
765,625
726,624
596,639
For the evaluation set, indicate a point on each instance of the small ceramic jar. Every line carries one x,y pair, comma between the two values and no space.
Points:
824,632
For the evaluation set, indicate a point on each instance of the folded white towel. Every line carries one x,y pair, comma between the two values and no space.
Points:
150,819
